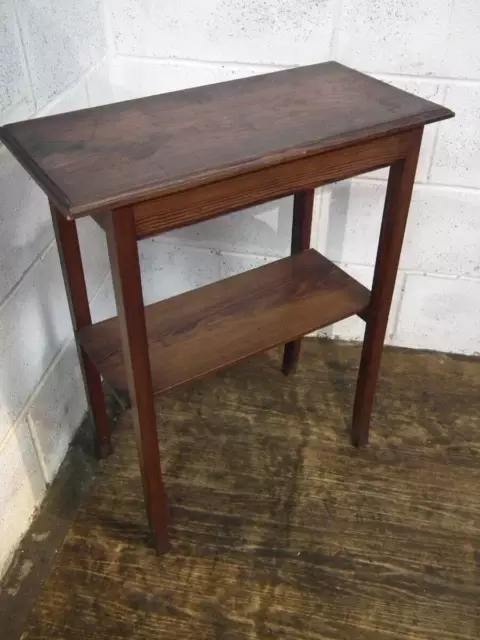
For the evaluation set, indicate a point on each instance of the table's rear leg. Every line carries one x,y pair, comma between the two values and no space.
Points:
301,232
72,268
395,213
123,251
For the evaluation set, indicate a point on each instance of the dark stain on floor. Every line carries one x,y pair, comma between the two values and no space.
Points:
281,529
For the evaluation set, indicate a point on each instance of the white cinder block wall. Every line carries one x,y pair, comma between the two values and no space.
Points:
54,59
48,52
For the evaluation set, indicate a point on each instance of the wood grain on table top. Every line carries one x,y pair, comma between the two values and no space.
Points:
130,151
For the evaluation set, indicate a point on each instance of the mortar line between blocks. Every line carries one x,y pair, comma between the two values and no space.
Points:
436,137
428,78
11,294
242,254
337,21
398,309
108,31
424,185
218,250
32,397
25,57
323,219
276,65
97,292
90,72
441,276
194,62
432,153
6,115
56,99
37,448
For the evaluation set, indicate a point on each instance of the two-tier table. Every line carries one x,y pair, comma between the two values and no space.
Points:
146,166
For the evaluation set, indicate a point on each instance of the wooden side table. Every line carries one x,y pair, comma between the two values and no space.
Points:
146,166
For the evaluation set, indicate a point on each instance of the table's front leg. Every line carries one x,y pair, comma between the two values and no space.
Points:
124,260
301,232
397,204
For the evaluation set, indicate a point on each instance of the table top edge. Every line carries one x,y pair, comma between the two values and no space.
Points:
85,206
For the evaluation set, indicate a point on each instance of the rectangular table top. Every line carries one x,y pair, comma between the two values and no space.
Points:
131,151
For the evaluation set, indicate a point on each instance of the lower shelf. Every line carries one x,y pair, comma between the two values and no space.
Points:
210,328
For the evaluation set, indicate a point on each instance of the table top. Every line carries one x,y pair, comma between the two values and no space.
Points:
117,154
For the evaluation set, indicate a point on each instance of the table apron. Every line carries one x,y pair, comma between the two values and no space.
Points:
203,202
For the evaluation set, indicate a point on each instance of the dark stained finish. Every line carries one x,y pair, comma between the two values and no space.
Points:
280,529
167,161
301,232
215,326
123,153
74,278
133,350
395,214
207,201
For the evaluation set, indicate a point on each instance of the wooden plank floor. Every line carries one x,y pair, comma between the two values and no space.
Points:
280,528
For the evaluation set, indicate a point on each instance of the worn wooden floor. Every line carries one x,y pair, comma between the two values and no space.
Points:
280,528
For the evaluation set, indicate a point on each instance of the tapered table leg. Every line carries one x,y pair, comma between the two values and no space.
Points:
123,252
397,203
73,275
301,232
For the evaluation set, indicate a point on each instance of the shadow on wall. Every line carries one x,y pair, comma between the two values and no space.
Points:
61,43
34,320
339,202
184,259
34,325
264,230
26,229
22,489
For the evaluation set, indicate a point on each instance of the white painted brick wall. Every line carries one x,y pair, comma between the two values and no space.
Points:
457,154
62,40
34,325
435,309
170,269
225,30
261,230
48,51
133,77
16,89
56,410
354,328
25,224
417,37
22,487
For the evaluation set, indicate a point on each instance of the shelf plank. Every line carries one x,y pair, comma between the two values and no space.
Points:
109,156
215,326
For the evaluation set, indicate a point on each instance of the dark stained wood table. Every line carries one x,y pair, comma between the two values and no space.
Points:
146,166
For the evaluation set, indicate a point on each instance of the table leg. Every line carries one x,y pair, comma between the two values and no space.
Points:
123,251
395,213
301,232
73,275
